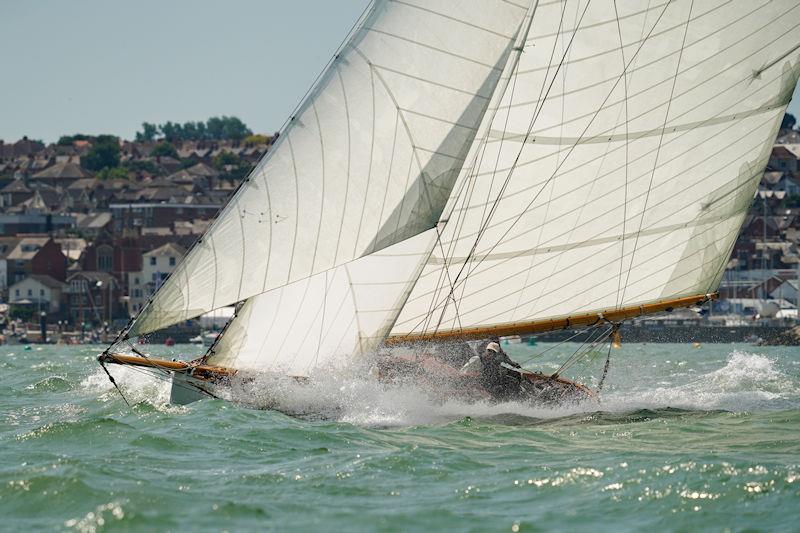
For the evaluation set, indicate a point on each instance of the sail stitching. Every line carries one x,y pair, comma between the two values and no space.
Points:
322,189
699,64
717,73
518,217
558,158
454,19
718,206
658,151
297,205
601,23
505,183
371,153
470,180
653,36
643,156
555,290
507,180
265,184
584,306
429,82
368,9
349,157
627,154
430,47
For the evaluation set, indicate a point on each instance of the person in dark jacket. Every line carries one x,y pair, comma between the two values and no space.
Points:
499,381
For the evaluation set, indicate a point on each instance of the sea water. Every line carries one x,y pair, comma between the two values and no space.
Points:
684,439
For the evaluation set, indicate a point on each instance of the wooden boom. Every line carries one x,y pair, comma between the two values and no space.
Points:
210,372
552,324
200,371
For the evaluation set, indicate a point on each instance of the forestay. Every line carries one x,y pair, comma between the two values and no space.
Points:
621,165
368,160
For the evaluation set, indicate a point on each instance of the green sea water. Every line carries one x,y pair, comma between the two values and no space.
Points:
685,439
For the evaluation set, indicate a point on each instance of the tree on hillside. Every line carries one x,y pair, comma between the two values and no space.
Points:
104,153
113,173
788,122
172,132
163,149
233,128
232,166
257,138
140,165
67,140
215,128
148,133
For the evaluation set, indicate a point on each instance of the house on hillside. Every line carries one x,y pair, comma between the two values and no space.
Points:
36,255
7,245
782,159
93,297
14,193
39,291
61,174
780,182
158,264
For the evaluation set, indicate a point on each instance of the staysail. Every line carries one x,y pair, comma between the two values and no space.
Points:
368,160
620,167
331,317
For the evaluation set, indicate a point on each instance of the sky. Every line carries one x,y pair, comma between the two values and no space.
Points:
106,66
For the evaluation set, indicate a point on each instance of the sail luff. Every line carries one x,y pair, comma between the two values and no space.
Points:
577,320
125,332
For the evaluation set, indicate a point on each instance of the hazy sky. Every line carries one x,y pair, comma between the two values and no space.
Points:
105,66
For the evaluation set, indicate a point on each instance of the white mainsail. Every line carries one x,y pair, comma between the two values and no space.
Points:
619,169
462,166
368,160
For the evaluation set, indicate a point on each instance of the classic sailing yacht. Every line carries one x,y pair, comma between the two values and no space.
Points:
463,170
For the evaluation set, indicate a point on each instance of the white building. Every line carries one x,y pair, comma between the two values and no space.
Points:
41,291
137,292
158,264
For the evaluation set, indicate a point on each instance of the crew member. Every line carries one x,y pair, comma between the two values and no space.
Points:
499,381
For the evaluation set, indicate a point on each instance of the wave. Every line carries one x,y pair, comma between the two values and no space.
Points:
746,382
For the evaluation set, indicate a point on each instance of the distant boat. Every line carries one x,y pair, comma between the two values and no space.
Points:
205,338
471,170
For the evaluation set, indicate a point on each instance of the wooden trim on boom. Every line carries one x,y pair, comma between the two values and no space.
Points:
568,322
197,371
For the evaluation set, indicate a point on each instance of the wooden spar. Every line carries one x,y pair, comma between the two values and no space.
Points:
210,372
197,371
552,324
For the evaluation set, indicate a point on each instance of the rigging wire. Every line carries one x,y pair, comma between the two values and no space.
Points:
486,219
467,188
658,150
114,382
